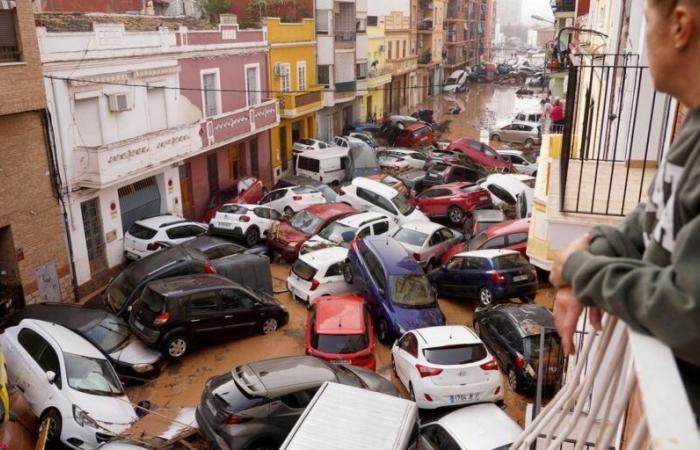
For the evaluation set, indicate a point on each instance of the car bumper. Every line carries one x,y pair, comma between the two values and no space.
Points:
135,255
235,232
487,391
210,435
510,291
297,292
289,255
149,337
130,376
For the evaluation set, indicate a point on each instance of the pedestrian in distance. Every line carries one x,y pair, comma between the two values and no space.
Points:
557,114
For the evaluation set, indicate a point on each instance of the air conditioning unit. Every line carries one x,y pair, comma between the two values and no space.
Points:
281,70
119,102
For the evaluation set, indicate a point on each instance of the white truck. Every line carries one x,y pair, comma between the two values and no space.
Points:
341,417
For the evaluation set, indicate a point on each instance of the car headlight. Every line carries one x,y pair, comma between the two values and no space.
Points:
140,368
82,418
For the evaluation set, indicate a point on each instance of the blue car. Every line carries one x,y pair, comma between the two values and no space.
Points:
395,287
487,276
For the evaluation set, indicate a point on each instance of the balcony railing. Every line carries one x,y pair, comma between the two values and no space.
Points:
425,59
347,86
624,391
345,36
425,25
616,130
293,104
10,54
234,125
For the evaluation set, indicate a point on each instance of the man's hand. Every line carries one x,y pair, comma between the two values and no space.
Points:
555,276
567,310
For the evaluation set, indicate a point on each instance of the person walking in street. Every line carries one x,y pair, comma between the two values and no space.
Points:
646,271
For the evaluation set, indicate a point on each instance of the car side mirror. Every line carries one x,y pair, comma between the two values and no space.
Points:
50,376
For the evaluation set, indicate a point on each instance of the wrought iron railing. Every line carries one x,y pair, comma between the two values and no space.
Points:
345,36
10,54
347,86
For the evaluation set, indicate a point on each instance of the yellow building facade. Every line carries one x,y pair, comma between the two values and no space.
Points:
376,103
292,74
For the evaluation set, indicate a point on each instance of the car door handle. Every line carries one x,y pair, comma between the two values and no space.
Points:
195,320
228,316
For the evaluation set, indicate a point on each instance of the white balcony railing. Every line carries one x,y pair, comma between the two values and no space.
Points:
624,392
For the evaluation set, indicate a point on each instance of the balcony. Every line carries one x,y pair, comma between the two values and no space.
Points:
347,86
345,39
425,25
401,66
624,391
378,78
296,104
426,59
563,6
235,125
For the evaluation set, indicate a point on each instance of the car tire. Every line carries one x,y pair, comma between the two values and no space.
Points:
496,138
269,326
529,143
53,438
485,297
252,236
456,215
289,212
514,380
348,276
383,333
263,444
176,347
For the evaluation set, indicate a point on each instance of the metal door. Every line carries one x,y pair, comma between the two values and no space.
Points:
47,283
186,190
139,200
94,236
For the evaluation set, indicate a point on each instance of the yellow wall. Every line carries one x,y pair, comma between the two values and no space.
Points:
376,38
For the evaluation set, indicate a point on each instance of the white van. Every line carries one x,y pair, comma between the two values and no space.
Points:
346,417
328,166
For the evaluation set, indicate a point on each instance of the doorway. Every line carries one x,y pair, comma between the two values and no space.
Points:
94,236
139,200
233,162
186,189
213,173
369,107
10,283
283,146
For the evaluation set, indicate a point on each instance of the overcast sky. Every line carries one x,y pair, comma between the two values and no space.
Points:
539,7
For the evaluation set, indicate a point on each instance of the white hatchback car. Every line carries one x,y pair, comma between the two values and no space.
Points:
66,378
399,159
303,145
319,274
510,190
348,228
143,237
427,241
475,427
369,195
446,366
523,163
249,223
290,200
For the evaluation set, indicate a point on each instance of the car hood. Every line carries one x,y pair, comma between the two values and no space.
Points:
414,318
416,216
135,352
113,413
374,382
287,233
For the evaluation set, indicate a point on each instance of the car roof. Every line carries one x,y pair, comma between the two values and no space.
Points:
405,151
161,221
67,340
340,315
423,226
481,427
488,215
279,376
392,255
189,283
446,335
74,317
525,122
327,210
375,186
508,227
325,256
361,218
510,151
205,242
489,253
527,318
325,153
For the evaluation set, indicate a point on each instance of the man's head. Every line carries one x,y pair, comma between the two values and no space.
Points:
673,41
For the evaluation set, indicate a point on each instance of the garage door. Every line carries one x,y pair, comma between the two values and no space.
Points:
139,200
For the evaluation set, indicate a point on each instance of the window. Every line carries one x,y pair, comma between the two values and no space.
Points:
404,49
157,110
31,341
361,71
385,204
497,242
381,228
233,299
517,238
366,195
9,46
456,263
446,234
475,264
375,267
87,121
323,75
363,233
390,46
299,400
41,352
409,344
252,84
301,76
372,21
210,94
310,164
434,193
48,361
202,304
436,239
439,438
184,232
335,270
285,78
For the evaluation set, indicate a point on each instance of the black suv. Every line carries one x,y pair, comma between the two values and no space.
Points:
442,173
174,313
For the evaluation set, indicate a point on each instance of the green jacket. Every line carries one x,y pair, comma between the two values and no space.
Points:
647,272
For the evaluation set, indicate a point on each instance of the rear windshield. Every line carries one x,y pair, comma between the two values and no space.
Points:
335,230
233,209
152,300
303,270
141,232
509,261
339,343
109,334
454,355
552,345
304,190
410,237
229,397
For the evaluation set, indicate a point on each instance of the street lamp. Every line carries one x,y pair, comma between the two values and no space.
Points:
541,19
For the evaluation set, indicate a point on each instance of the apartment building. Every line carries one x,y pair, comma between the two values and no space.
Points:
34,261
402,61
456,35
429,44
376,102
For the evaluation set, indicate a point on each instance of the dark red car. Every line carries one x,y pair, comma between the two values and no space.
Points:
510,235
287,238
482,155
339,330
418,134
453,201
248,190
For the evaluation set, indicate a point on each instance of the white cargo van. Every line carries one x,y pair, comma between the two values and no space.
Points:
327,166
346,417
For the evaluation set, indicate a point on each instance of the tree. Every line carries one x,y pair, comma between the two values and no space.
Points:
213,8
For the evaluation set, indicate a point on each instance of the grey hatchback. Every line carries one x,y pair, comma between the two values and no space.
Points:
256,405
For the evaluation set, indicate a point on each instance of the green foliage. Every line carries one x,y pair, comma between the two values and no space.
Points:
213,8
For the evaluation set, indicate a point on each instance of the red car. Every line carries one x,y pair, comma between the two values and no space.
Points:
510,235
287,238
482,155
339,330
453,201
414,135
247,190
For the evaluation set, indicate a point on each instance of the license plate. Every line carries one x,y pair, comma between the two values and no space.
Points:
224,225
139,325
341,361
463,397
520,278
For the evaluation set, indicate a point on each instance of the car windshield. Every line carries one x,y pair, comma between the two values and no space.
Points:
118,291
140,232
509,261
91,375
335,230
306,222
109,334
410,237
478,241
454,355
233,209
329,194
303,270
339,343
402,204
411,291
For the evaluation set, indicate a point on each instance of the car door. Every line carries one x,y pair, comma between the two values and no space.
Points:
36,356
473,276
284,411
270,199
449,238
375,287
333,279
449,278
428,200
241,314
431,250
264,218
517,242
203,315
407,354
417,160
495,336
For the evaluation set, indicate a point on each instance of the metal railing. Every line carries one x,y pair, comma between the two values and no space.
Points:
345,36
624,391
425,58
10,54
347,86
616,130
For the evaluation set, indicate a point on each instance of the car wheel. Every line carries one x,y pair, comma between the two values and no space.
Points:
514,380
289,212
496,138
485,296
269,326
529,143
262,444
52,419
176,347
383,332
347,272
455,214
252,236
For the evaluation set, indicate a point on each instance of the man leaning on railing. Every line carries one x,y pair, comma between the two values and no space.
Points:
647,272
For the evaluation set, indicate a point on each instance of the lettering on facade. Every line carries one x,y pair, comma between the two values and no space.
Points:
145,148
